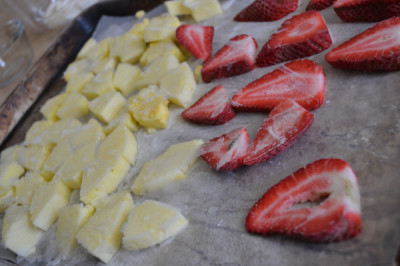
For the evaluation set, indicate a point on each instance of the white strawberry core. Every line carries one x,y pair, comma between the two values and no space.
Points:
237,150
196,35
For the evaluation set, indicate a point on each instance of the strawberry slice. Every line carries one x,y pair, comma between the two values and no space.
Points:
298,37
285,124
226,152
320,203
319,4
302,81
366,10
234,58
213,108
196,39
376,49
267,10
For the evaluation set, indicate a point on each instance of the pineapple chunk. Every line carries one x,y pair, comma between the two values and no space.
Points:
25,187
6,199
177,8
107,106
87,47
75,105
70,221
10,154
101,235
197,73
123,118
92,132
105,64
140,14
81,66
57,157
161,28
179,85
127,48
125,78
138,28
46,132
49,109
157,49
203,9
78,81
156,70
171,165
32,157
47,200
151,223
150,108
19,235
101,84
115,154
99,50
9,173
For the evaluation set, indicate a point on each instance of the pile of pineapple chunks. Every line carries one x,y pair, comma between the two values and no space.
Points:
86,144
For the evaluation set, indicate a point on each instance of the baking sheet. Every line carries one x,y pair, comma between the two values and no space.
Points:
359,122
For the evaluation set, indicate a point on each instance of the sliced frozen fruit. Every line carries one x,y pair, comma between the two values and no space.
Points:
197,39
287,122
302,81
319,4
376,49
300,36
320,202
234,58
267,10
366,10
213,108
226,152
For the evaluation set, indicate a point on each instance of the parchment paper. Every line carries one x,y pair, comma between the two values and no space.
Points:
359,122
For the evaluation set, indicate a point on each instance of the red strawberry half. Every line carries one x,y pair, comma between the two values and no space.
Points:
227,151
213,108
376,49
267,10
319,4
366,10
196,39
320,202
302,81
285,124
301,36
234,58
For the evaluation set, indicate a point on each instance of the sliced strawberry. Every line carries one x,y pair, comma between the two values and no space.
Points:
226,152
234,58
267,10
285,124
298,37
213,108
320,202
196,39
366,10
319,4
302,81
376,49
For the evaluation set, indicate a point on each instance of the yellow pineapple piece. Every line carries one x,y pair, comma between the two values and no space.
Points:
6,198
18,233
78,81
25,187
140,14
127,48
10,154
161,28
86,48
100,84
169,166
138,28
177,8
75,105
157,49
107,106
49,109
36,130
125,78
32,157
47,200
101,235
203,9
82,66
179,85
99,50
92,132
10,173
57,157
156,70
197,73
70,221
105,64
123,118
150,108
151,223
